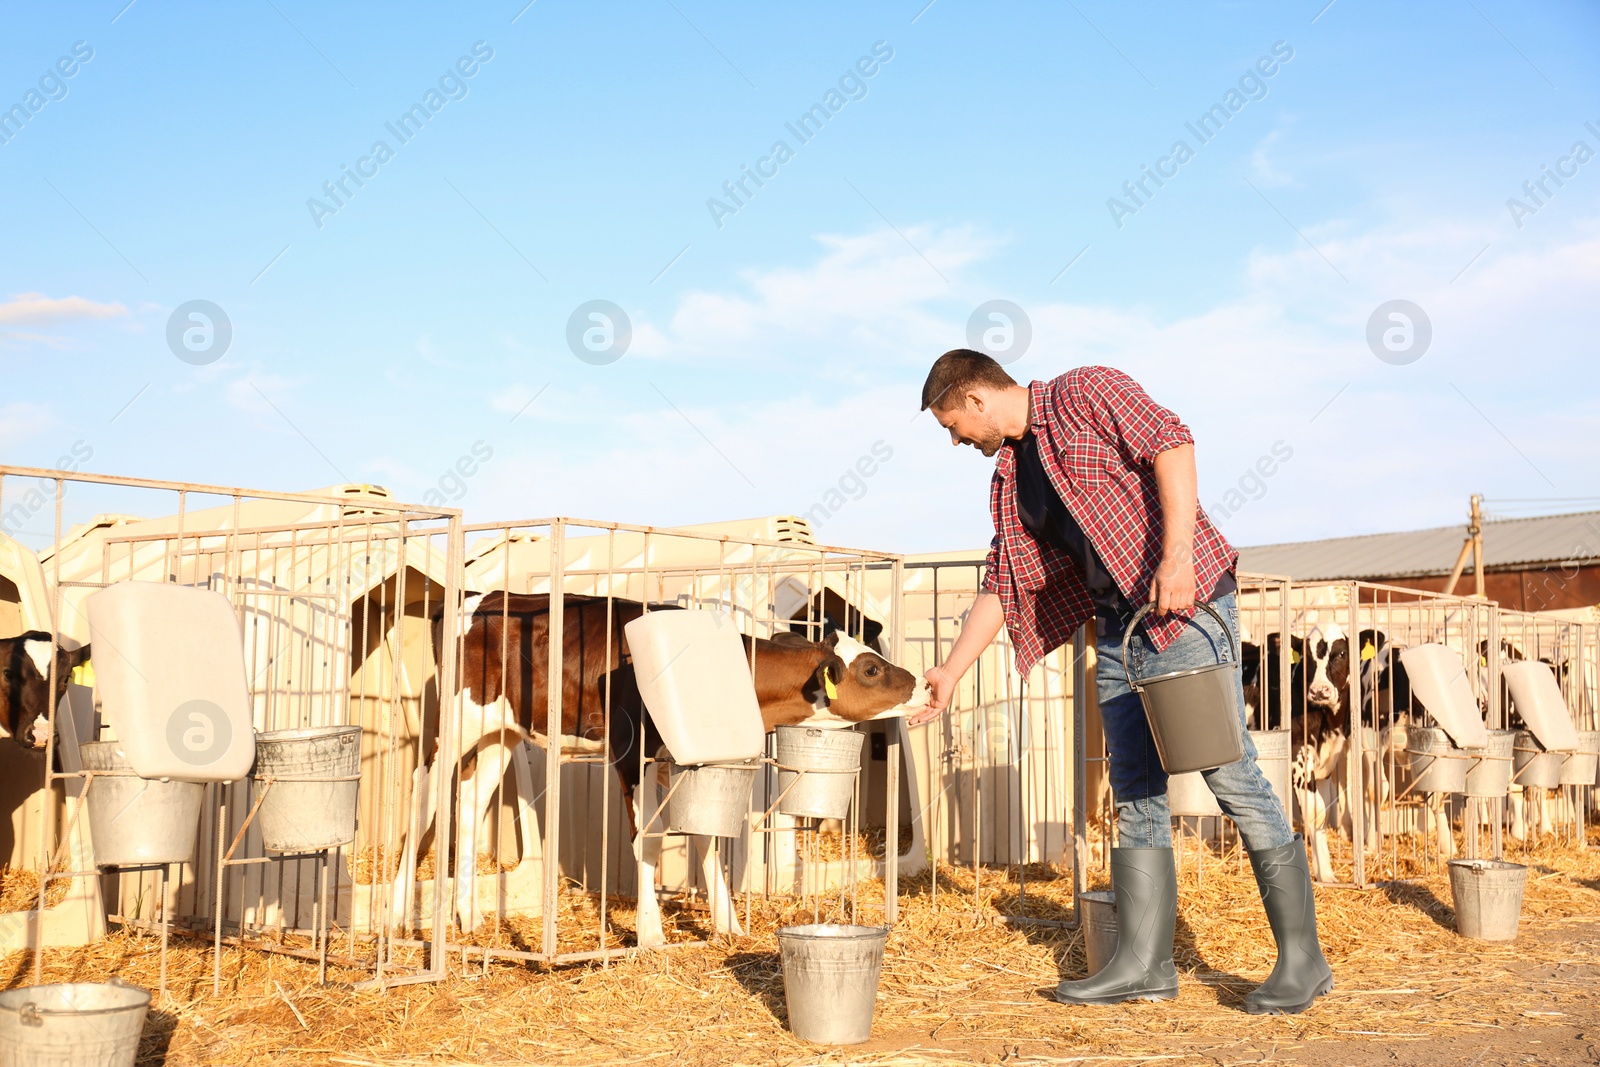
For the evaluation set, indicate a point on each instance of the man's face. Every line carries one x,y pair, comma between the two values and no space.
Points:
972,422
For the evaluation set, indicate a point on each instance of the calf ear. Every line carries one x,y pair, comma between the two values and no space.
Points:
824,681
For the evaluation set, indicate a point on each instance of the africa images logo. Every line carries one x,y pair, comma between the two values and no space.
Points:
198,732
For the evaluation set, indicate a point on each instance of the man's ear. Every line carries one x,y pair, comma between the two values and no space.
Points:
824,681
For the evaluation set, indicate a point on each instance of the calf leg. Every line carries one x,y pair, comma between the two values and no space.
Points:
724,916
1517,799
475,793
405,877
647,919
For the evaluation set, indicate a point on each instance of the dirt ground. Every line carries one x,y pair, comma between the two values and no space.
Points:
958,986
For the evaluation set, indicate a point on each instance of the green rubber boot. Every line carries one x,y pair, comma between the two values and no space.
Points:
1146,887
1301,974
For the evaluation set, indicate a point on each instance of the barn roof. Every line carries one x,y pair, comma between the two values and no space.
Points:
1420,553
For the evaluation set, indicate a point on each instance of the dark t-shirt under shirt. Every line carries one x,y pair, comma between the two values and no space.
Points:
1046,516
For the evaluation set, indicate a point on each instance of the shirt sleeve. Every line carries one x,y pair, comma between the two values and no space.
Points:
991,564
1124,413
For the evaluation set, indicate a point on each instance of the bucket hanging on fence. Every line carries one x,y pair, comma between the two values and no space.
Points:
830,980
76,1024
1433,764
312,802
712,800
1488,897
1193,713
133,820
1490,772
1533,766
1579,767
830,758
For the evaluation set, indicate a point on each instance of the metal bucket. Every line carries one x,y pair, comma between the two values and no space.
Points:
1194,713
1533,766
1272,756
1188,794
1433,764
831,757
1490,772
1488,897
1579,767
312,803
77,1024
1099,927
135,820
830,980
712,799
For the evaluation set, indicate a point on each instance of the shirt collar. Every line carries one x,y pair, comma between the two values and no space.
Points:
1038,404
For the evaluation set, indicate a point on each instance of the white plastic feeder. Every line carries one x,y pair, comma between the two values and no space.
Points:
170,680
1538,699
1439,680
695,681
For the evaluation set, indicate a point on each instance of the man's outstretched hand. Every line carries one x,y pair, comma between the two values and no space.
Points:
940,687
1173,586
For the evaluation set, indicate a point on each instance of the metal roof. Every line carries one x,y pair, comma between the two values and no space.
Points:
1419,553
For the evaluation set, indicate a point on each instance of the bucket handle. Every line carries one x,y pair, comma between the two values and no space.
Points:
1127,635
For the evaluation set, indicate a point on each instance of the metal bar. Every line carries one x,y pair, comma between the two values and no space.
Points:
552,767
48,473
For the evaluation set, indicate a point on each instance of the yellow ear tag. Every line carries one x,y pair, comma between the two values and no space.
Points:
1367,651
1483,661
1294,655
828,686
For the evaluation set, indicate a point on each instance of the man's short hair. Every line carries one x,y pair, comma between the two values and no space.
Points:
957,371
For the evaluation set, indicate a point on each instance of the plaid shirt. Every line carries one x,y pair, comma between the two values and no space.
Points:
1099,434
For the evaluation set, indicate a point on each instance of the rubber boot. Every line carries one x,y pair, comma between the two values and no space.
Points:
1146,887
1301,974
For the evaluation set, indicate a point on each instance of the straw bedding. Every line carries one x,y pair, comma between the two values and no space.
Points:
959,983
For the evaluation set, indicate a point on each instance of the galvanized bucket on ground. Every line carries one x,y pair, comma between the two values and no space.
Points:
1194,713
1488,897
1490,772
1188,794
713,799
1533,766
1579,767
1272,756
77,1024
1433,764
312,802
135,820
831,758
830,980
1099,927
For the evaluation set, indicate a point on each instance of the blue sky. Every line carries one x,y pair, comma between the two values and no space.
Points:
774,346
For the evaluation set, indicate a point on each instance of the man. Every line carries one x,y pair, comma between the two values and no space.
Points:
1095,512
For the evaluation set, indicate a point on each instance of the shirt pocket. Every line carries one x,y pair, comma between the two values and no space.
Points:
1089,462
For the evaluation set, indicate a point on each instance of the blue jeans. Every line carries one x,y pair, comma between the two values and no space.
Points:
1138,784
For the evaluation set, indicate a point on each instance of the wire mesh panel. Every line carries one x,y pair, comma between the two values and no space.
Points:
1365,740
567,764
1566,647
333,593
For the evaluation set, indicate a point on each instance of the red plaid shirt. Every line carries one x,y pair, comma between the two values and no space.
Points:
1099,434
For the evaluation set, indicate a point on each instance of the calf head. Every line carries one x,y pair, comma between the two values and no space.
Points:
854,684
1328,666
25,698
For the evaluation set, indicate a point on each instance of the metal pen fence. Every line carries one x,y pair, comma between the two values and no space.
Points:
328,589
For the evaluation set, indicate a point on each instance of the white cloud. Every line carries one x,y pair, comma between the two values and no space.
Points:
36,309
1263,171
1400,446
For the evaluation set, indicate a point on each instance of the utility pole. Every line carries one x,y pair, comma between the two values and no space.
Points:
1473,546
